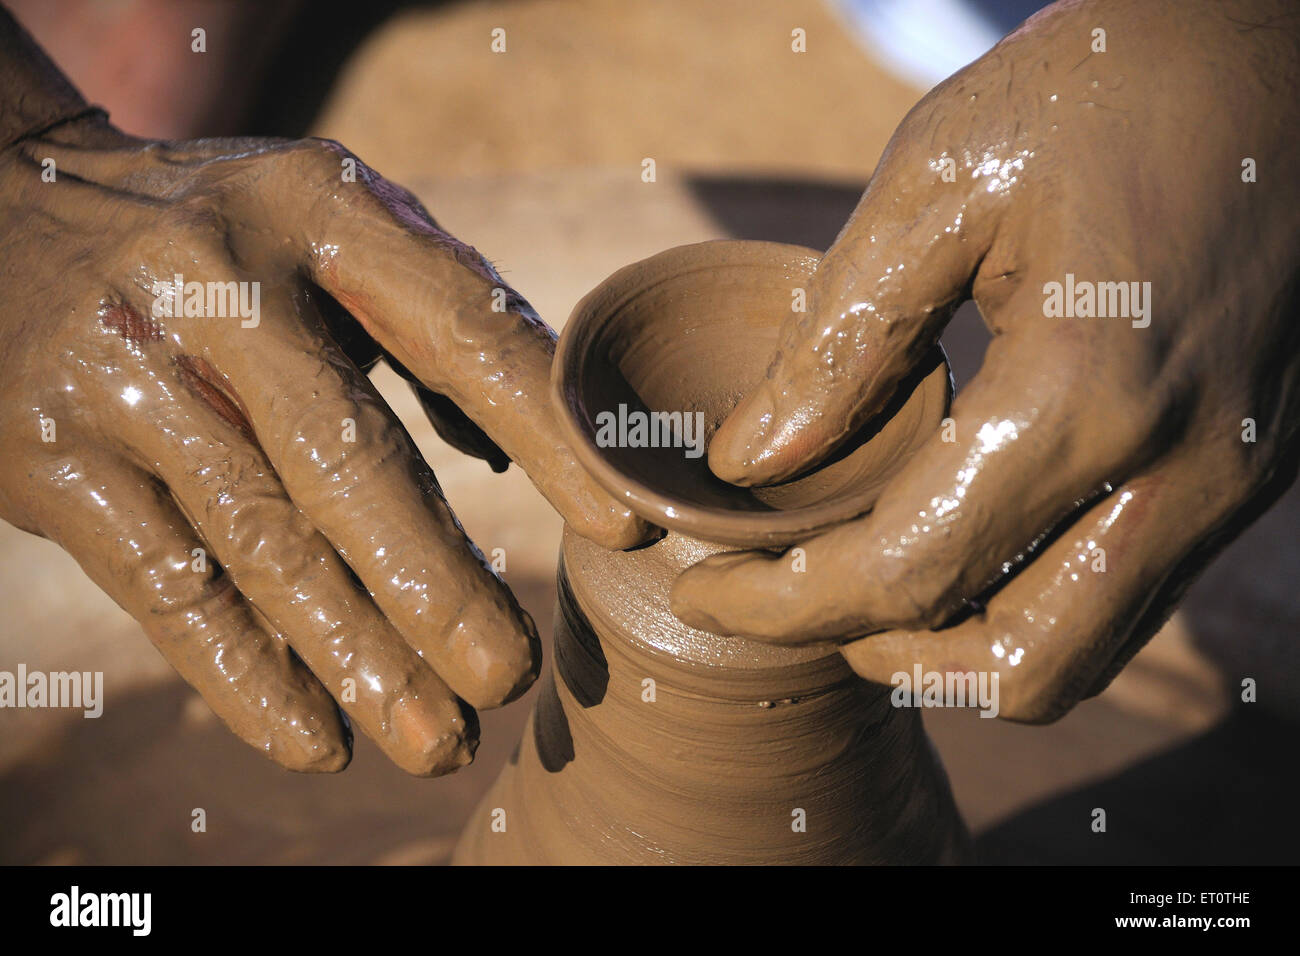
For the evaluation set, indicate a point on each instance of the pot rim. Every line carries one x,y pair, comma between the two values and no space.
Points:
741,528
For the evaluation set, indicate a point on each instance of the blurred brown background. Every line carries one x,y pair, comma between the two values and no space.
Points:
534,156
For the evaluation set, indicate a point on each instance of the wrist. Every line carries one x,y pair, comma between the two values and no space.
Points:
88,117
34,95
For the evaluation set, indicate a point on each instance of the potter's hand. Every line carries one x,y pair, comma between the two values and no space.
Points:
1094,464
236,483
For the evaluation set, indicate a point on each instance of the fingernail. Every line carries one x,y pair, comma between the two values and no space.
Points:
430,741
691,588
496,654
742,440
312,750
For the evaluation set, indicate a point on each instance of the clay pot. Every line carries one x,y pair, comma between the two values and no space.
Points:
654,742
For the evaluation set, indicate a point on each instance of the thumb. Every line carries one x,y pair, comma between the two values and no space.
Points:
878,301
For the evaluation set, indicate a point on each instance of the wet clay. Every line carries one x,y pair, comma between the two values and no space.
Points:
655,742
211,451
689,331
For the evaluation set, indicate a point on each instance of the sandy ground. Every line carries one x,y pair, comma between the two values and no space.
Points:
534,156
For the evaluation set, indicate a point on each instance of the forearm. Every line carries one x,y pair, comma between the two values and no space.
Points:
34,93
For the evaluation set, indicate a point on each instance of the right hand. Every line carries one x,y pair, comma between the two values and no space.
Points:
1094,465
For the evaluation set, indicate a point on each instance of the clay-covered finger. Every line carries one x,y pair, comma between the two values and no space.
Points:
126,533
1061,628
452,425
187,426
458,430
1016,459
879,299
349,466
294,577
444,313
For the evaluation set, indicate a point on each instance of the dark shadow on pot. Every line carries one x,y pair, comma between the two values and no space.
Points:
579,659
551,733
579,662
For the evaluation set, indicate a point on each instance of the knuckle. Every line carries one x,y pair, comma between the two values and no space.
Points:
1030,706
1121,423
191,234
180,597
919,599
1039,694
242,503
341,444
285,551
325,151
1133,401
316,162
197,216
